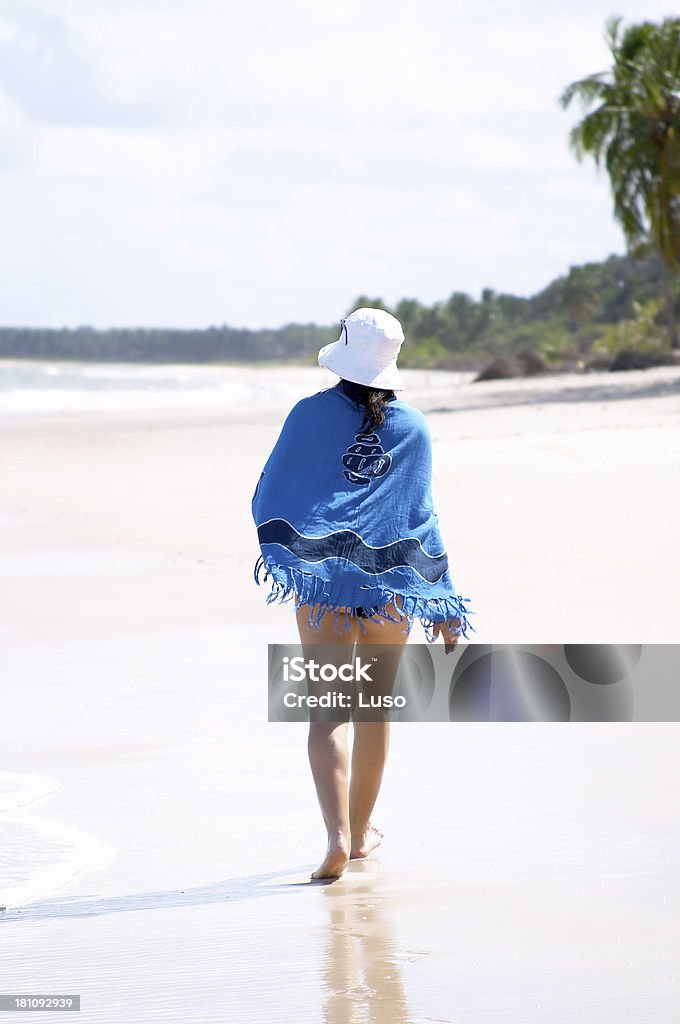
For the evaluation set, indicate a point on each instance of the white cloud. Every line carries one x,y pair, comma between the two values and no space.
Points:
46,69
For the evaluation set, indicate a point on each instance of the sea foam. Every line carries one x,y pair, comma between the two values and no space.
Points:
39,855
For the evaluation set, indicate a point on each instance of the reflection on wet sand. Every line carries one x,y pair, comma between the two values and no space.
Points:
361,971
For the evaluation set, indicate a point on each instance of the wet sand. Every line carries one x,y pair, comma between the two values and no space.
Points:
529,872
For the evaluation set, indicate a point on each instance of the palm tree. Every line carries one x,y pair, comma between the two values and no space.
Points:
634,129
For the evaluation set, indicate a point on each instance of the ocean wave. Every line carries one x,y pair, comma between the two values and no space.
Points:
44,388
39,855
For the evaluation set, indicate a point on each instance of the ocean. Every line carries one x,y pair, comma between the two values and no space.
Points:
43,387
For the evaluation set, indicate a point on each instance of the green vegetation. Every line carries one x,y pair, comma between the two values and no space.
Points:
160,345
595,308
634,129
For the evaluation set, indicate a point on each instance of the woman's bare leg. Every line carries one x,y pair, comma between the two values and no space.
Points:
369,754
372,739
329,760
328,745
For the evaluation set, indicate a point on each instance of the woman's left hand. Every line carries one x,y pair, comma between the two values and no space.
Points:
450,631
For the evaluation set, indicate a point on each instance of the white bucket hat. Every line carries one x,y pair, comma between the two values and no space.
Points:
366,351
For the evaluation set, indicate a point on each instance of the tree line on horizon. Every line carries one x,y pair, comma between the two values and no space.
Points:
596,307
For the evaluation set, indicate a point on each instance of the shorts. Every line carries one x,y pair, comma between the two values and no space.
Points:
365,613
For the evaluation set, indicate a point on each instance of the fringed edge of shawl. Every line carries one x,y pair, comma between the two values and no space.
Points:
288,584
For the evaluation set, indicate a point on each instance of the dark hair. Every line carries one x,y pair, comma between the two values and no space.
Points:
373,400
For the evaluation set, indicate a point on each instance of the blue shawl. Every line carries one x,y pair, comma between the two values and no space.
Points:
345,519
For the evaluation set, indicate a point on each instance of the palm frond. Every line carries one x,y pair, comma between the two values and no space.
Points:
632,127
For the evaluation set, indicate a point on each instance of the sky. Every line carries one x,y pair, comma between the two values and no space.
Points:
174,164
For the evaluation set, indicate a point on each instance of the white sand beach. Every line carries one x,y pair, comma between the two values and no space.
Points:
530,872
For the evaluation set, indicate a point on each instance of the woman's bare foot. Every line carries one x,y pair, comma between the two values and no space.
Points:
337,857
366,842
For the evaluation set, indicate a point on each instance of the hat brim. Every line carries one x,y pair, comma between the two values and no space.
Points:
349,366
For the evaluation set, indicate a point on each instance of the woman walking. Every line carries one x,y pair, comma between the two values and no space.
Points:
348,531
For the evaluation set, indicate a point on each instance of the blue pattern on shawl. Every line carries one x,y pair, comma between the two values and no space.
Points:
346,519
